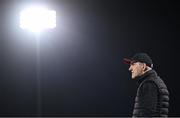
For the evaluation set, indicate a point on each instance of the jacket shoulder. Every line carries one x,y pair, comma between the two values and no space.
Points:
159,83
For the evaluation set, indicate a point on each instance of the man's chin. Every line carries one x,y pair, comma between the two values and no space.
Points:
134,77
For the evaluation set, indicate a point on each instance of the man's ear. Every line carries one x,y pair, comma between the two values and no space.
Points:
144,67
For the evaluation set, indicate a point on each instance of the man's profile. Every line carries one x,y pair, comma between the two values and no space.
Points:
152,97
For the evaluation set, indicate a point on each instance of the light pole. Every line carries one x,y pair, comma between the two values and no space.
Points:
37,19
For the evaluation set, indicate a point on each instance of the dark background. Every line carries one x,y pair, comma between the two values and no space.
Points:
80,69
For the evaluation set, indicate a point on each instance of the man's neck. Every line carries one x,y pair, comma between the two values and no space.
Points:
148,69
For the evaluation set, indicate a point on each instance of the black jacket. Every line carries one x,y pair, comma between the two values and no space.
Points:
152,97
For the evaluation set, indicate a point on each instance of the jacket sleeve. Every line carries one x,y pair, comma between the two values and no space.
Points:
148,99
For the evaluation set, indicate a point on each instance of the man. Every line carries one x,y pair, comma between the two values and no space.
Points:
152,98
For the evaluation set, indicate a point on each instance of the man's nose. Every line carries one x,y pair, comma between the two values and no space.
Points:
130,68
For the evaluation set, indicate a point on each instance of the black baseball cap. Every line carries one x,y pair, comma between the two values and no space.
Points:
139,57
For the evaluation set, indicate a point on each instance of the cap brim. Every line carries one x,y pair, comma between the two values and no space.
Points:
127,61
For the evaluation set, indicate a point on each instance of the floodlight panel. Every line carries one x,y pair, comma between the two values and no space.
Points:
37,19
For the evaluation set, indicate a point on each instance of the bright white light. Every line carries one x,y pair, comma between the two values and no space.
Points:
37,19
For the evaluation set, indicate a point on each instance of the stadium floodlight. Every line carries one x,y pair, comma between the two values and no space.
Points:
37,19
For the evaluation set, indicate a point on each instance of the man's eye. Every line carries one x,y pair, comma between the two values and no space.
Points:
132,63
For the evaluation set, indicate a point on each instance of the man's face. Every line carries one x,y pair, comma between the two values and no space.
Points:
136,69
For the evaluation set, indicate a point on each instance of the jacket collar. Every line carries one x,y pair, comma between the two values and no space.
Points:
146,75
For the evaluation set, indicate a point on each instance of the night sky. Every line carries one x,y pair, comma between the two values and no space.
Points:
80,70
